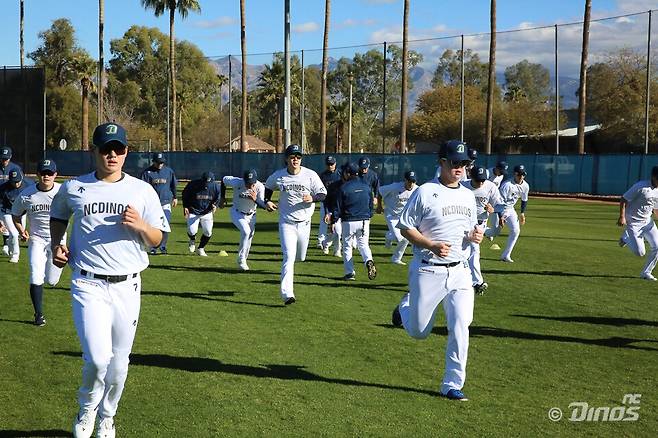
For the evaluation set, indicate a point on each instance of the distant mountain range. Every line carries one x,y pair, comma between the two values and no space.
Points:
419,76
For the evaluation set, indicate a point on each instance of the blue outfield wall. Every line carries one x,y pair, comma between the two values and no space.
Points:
591,174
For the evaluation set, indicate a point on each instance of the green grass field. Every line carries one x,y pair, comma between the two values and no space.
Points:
217,354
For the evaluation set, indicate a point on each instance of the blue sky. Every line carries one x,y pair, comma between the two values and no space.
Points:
216,30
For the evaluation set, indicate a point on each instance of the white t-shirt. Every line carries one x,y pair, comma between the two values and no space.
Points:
293,188
496,179
510,192
241,194
441,214
487,193
642,200
36,204
99,243
395,197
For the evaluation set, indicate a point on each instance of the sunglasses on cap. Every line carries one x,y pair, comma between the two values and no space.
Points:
115,146
457,164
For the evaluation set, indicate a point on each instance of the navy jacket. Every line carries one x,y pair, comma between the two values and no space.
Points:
163,181
327,177
353,201
199,197
9,193
370,179
332,193
4,171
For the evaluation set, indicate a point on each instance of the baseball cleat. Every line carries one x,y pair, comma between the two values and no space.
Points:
372,270
39,320
14,259
223,253
191,245
622,242
648,277
396,318
163,250
325,250
153,251
398,262
481,288
5,250
105,428
243,266
337,252
289,301
455,394
507,259
350,276
83,425
202,252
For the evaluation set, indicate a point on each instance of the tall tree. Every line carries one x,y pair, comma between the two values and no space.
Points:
582,89
528,79
245,106
492,78
22,42
405,68
101,59
325,68
85,69
448,70
183,7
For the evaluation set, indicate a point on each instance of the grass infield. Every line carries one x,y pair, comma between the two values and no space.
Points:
217,353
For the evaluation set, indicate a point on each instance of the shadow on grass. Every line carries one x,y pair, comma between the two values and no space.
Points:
268,371
34,433
213,295
603,320
216,269
477,331
338,282
550,273
18,321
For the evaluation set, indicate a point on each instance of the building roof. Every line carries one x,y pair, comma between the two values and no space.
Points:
254,144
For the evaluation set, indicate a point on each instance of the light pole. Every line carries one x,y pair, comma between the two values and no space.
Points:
350,77
286,100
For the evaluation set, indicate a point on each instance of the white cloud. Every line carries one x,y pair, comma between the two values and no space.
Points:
311,26
218,22
632,6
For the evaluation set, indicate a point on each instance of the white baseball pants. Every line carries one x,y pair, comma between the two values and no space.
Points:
165,236
246,224
395,236
474,264
40,258
333,238
634,236
359,232
294,238
511,219
14,240
105,316
323,230
428,286
206,221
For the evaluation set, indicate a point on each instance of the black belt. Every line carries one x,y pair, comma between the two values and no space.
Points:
246,214
108,278
447,265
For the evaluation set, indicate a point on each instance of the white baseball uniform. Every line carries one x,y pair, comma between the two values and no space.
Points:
510,193
294,218
487,193
395,197
441,214
243,213
106,258
35,204
641,199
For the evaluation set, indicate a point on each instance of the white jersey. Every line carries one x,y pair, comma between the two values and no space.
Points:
395,197
487,193
100,243
241,194
293,188
36,204
496,179
510,192
642,200
441,214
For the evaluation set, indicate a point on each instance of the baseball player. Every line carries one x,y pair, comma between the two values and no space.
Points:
329,203
299,189
487,197
472,155
6,166
440,220
498,173
115,218
512,190
35,202
248,193
395,197
635,209
330,175
163,180
369,177
9,192
200,200
354,207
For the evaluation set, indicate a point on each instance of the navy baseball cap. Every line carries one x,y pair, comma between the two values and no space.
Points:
472,154
5,153
351,169
330,160
109,132
15,176
502,166
454,150
294,149
410,175
364,163
46,165
250,176
208,176
479,173
520,169
159,158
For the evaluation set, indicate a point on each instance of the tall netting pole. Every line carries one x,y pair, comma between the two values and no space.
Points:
557,98
230,102
302,108
646,108
461,96
384,106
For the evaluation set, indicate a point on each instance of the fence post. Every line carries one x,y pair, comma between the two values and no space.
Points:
461,98
646,109
557,99
302,140
230,102
384,106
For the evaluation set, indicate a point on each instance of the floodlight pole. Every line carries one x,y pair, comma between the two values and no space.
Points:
646,108
286,101
302,138
557,98
230,103
461,99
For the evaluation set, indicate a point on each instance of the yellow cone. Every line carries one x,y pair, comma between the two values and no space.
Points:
494,247
223,253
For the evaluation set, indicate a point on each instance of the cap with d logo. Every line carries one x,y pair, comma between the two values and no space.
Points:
250,176
479,173
44,165
109,132
410,175
5,153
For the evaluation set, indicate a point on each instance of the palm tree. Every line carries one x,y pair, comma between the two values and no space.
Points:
245,108
492,77
22,43
405,67
271,88
85,69
101,61
338,116
323,88
183,7
221,81
582,89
